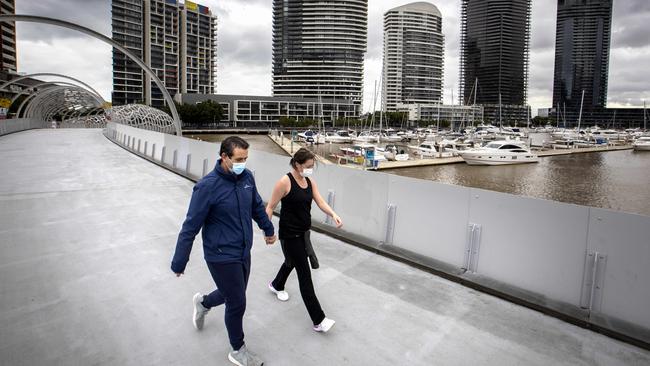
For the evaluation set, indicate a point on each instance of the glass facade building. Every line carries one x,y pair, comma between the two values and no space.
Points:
318,48
177,40
582,45
413,55
495,40
251,110
8,54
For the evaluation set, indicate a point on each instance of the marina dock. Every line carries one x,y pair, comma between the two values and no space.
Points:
289,146
457,159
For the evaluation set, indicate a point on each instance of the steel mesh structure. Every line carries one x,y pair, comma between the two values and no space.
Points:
141,116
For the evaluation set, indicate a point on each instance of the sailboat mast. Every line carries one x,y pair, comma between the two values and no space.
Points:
500,120
474,103
381,107
438,119
580,115
374,106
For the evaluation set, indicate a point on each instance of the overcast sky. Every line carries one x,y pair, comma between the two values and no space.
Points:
244,50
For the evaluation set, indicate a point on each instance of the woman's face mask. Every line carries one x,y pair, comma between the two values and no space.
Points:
306,172
307,169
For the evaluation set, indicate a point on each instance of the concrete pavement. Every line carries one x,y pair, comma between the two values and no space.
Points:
87,231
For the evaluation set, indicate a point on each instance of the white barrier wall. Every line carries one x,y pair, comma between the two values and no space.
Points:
623,241
430,218
587,263
532,244
8,126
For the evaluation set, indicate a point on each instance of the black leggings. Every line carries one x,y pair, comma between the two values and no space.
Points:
294,250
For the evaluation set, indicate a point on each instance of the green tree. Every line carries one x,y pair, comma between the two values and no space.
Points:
287,121
396,118
198,115
209,112
540,121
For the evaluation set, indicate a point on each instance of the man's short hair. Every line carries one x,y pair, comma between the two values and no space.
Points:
230,143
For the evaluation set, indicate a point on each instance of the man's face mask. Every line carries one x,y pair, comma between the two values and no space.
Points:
238,160
238,168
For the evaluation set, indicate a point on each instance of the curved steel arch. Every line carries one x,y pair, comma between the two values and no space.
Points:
9,82
68,85
45,103
92,33
22,92
49,95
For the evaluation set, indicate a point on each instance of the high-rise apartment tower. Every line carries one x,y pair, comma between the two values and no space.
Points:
413,55
318,48
495,39
177,40
8,55
582,54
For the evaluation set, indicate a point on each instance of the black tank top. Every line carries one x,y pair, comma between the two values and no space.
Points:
295,213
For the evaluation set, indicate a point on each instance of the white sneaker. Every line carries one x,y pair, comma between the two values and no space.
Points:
324,326
281,295
244,357
198,317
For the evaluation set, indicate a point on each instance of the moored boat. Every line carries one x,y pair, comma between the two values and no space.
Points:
503,152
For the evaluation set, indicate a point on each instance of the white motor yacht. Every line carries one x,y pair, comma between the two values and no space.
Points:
642,143
427,149
499,153
336,138
358,152
390,138
319,138
307,136
365,137
394,152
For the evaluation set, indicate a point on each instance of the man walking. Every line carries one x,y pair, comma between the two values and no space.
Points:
223,204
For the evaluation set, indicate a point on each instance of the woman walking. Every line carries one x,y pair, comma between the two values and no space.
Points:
296,192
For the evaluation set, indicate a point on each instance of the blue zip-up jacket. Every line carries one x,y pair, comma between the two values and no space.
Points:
224,205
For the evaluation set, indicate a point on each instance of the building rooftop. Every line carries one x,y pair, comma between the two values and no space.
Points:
420,6
87,231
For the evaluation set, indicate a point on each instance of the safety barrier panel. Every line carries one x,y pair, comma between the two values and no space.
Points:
583,264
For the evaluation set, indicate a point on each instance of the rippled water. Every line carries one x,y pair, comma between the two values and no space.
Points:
618,180
257,142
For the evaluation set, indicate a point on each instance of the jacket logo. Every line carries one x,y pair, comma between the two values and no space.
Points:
247,186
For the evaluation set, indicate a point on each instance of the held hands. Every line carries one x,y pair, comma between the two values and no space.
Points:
337,220
269,240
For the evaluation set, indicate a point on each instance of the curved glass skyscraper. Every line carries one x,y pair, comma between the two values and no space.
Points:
495,39
413,55
582,53
318,48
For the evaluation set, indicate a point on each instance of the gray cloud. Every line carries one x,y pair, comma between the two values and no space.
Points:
93,14
624,8
632,31
249,46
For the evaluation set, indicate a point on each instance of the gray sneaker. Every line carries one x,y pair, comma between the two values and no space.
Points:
244,357
199,311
